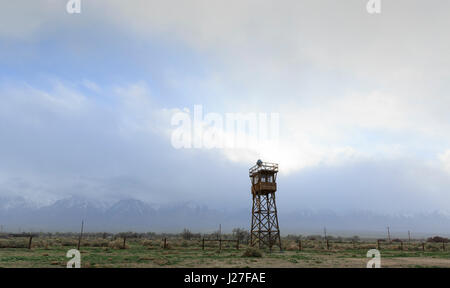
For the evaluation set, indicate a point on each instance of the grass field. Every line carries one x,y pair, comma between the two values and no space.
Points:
95,253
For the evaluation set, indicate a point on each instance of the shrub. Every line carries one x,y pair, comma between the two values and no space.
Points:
117,244
12,244
66,242
437,239
147,243
430,247
168,245
356,238
291,247
241,234
252,252
187,234
96,243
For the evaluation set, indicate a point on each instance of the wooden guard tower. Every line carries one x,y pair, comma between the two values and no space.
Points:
265,230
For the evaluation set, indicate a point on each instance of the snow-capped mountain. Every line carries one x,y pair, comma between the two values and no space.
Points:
136,215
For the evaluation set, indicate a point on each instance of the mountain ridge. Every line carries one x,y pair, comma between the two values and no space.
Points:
65,215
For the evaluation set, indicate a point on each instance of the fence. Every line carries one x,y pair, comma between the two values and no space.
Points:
28,241
380,245
29,236
203,240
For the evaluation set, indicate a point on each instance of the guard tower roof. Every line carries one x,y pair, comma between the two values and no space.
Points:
263,166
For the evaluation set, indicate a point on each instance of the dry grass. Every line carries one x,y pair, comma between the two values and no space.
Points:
50,252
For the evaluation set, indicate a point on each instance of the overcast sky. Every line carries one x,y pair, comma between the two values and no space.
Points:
87,100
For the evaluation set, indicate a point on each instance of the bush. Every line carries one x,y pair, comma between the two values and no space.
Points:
240,234
168,245
147,243
67,242
430,247
291,247
356,238
437,239
96,243
187,234
313,237
252,252
117,244
12,244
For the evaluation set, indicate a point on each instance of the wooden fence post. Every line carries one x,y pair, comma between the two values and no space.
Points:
423,246
378,244
124,242
81,235
401,245
220,244
443,245
299,245
203,243
237,244
165,243
29,242
328,245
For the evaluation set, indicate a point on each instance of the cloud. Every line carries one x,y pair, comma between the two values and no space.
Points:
445,159
350,88
28,104
91,86
34,16
353,127
111,151
383,80
281,35
333,35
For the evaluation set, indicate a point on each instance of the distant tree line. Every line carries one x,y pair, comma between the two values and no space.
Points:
186,234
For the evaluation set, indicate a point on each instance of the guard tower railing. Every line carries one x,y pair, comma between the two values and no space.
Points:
265,166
